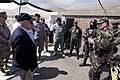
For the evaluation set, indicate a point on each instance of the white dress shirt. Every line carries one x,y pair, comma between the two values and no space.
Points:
30,33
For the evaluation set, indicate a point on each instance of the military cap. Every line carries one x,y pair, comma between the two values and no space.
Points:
102,20
3,14
23,17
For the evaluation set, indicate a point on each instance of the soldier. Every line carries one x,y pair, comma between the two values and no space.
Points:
59,31
39,34
36,28
4,42
76,34
66,37
47,31
103,44
88,47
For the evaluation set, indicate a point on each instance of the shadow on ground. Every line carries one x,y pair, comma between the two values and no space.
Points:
50,58
44,73
73,55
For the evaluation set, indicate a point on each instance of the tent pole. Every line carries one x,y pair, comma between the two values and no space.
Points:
20,6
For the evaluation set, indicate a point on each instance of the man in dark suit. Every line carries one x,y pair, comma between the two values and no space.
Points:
23,48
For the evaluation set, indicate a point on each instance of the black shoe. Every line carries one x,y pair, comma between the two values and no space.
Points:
70,55
47,51
3,70
83,64
54,54
63,55
77,57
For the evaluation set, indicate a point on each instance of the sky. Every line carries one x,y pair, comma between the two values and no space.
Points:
66,4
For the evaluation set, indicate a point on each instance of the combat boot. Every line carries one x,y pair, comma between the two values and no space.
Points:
77,54
3,70
84,63
70,53
6,67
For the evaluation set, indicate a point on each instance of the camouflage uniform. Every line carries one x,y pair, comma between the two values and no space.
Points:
36,28
103,45
7,48
76,34
117,36
88,47
35,31
47,31
4,42
41,37
116,32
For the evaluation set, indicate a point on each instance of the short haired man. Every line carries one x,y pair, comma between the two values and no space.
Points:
39,34
75,40
59,31
36,28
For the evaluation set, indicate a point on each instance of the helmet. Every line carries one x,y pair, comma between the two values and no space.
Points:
93,24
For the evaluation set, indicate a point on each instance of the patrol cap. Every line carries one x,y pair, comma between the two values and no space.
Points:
3,14
23,17
102,20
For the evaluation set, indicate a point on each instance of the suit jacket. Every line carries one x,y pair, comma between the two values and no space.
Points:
24,50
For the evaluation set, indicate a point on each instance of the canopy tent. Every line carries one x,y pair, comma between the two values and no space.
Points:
70,7
67,8
62,5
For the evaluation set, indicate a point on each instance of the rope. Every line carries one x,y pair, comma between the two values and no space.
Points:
102,7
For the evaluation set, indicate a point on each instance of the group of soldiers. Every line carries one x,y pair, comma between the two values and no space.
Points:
42,31
100,42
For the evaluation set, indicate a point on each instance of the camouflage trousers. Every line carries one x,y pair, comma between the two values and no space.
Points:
46,43
7,54
76,44
85,51
101,72
4,55
36,42
100,69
